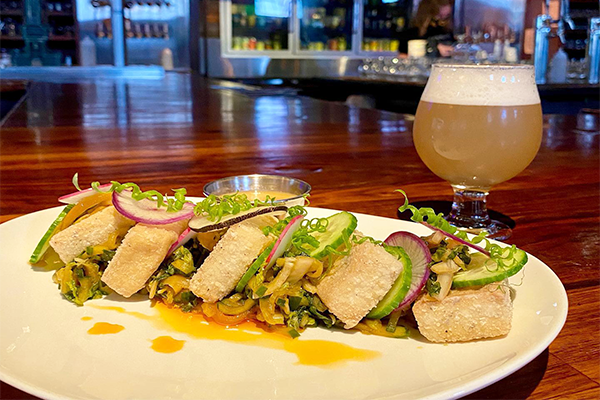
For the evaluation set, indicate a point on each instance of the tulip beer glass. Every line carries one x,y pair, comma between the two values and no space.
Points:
477,126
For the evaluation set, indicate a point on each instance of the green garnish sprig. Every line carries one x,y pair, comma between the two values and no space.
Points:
172,204
361,240
292,212
503,256
137,194
215,208
303,237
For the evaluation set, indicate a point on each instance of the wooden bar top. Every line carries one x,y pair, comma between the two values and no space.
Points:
184,131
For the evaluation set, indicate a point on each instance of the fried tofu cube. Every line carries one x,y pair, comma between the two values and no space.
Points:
139,256
228,262
91,231
465,314
359,282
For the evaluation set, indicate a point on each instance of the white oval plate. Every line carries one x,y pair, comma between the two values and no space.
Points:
45,349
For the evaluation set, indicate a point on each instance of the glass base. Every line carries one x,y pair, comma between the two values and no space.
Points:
496,230
500,228
469,212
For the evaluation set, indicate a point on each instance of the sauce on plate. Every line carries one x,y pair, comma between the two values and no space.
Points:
166,344
321,353
105,328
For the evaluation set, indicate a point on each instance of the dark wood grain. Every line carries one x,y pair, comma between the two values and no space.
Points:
184,131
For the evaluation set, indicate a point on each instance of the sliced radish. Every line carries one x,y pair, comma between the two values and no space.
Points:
284,240
420,257
185,237
462,241
146,211
203,224
76,197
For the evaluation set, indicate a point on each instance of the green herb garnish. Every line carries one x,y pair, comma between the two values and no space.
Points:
503,256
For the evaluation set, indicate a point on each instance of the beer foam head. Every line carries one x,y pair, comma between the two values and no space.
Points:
482,85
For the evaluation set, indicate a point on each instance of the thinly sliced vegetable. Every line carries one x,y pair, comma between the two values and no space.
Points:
79,281
444,282
339,228
260,260
420,257
491,271
375,327
85,205
203,223
76,197
44,243
185,237
284,240
235,307
399,289
454,237
304,266
183,261
146,211
280,279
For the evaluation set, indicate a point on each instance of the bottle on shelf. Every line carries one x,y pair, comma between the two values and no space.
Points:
87,52
166,59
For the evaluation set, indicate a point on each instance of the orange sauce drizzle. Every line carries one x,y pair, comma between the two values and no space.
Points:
86,318
321,353
105,328
166,344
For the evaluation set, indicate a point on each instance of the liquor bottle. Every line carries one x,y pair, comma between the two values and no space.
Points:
128,30
100,30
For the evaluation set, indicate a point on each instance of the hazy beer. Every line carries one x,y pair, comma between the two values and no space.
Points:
477,126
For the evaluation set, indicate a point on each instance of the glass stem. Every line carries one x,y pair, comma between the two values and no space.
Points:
469,209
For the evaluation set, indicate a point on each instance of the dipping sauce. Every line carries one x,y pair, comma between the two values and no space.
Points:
262,195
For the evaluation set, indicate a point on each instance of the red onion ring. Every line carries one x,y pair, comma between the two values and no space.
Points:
76,197
146,211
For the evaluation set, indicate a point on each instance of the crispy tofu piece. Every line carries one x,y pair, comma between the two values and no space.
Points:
359,282
229,261
465,314
139,256
92,231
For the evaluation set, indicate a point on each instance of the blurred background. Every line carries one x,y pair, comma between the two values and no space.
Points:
357,46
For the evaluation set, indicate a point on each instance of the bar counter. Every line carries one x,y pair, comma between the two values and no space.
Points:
402,94
184,131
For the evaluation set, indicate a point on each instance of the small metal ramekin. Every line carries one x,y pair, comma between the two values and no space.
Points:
258,182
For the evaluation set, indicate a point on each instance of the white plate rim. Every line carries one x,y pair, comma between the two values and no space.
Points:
455,391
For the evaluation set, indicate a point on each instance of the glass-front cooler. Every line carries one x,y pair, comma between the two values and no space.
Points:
323,29
257,27
383,23
326,26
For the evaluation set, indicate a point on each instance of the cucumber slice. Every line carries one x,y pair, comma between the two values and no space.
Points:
260,260
340,225
399,289
484,274
44,243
